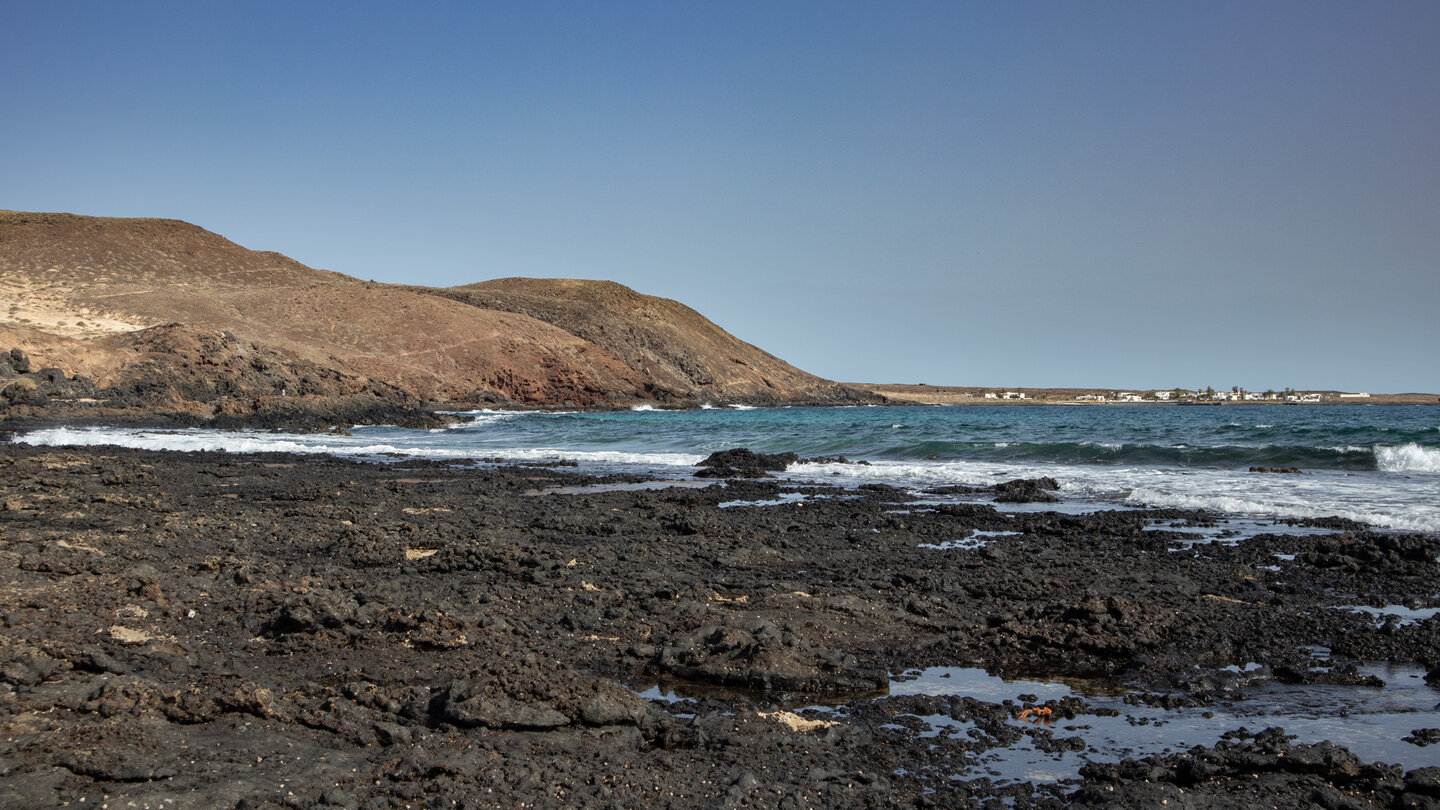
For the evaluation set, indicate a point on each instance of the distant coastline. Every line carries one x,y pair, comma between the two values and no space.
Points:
923,394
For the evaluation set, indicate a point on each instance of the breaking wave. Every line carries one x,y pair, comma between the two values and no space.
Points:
1408,458
1355,464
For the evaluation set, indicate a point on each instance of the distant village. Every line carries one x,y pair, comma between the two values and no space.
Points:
1235,394
924,394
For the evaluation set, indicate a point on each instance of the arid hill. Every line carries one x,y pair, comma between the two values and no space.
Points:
681,354
159,312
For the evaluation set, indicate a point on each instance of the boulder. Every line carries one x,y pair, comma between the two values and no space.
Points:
741,462
23,391
1027,490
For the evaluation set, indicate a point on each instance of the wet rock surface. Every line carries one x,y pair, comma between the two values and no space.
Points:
742,462
1263,769
269,631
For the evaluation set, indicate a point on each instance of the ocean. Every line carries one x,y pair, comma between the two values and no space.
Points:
1379,465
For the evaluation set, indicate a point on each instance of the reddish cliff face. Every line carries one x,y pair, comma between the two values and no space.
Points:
165,307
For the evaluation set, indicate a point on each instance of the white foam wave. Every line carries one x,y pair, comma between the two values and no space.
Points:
1347,448
217,441
642,408
1409,458
1364,499
474,419
1383,499
1239,505
900,473
738,407
686,460
200,440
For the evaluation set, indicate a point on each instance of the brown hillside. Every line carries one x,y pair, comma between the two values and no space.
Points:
158,304
681,352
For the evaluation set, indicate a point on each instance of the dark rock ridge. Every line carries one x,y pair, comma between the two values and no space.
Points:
185,379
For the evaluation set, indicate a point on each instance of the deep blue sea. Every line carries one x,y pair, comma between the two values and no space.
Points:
1375,464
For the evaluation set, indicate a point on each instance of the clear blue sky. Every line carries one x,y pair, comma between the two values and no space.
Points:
1110,194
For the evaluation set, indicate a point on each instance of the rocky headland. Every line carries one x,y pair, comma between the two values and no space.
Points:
160,319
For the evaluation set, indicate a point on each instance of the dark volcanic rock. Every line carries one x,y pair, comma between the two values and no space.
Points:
766,657
833,460
23,391
743,463
1253,770
1277,470
215,625
1027,490
467,703
1423,736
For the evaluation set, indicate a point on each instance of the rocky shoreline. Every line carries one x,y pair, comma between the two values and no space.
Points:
214,630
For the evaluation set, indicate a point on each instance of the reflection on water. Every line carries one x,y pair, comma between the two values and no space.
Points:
1370,721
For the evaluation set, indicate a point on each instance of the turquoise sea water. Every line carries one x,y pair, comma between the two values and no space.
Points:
1376,464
